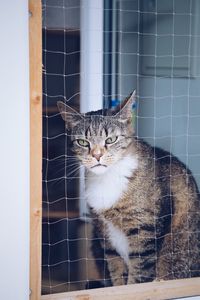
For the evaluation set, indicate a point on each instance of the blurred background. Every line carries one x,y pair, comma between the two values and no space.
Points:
95,53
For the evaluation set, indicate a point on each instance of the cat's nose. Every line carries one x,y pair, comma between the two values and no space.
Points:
97,156
97,153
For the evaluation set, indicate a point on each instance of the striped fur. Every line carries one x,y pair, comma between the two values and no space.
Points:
149,229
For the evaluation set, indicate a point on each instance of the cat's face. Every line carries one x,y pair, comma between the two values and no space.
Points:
100,139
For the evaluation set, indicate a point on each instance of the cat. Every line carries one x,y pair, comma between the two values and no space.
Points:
144,201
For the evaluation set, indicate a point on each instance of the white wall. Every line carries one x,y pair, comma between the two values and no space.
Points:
14,151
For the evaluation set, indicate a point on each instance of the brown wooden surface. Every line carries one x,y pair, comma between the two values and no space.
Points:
144,291
35,44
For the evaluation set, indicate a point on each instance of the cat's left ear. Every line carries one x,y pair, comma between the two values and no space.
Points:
69,115
124,111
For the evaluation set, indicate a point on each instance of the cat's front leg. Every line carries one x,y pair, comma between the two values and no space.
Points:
116,266
110,264
142,259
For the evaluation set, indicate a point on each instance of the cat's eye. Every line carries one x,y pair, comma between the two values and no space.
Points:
83,143
111,140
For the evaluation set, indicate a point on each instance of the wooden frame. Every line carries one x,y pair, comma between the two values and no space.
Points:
151,291
154,290
35,45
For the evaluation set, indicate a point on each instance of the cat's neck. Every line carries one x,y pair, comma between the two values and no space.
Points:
104,190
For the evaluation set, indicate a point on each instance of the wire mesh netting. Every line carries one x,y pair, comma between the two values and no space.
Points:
151,46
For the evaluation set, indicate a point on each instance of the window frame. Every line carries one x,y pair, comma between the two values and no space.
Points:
153,290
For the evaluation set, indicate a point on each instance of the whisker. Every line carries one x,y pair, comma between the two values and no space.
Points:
67,167
62,157
57,182
74,171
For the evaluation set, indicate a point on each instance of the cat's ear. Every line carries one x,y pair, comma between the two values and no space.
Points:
69,115
124,111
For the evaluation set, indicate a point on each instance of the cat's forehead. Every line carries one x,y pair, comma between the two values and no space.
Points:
98,125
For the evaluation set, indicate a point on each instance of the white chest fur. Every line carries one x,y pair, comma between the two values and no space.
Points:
104,190
118,240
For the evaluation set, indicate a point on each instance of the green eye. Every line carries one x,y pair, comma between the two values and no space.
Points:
83,143
111,140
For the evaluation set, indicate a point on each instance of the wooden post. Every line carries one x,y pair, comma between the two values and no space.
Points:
35,44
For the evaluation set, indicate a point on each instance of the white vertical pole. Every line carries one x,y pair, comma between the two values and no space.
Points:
91,55
91,90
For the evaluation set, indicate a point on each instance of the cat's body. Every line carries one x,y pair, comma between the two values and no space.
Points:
154,234
144,202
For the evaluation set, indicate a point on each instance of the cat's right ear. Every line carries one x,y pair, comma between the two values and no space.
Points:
69,115
124,111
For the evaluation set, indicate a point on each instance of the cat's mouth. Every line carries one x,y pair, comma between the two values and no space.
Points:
99,169
99,165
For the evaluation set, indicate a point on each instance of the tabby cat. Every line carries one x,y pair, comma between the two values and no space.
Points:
144,202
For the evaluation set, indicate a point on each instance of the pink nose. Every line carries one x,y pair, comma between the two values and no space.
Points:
97,156
97,153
